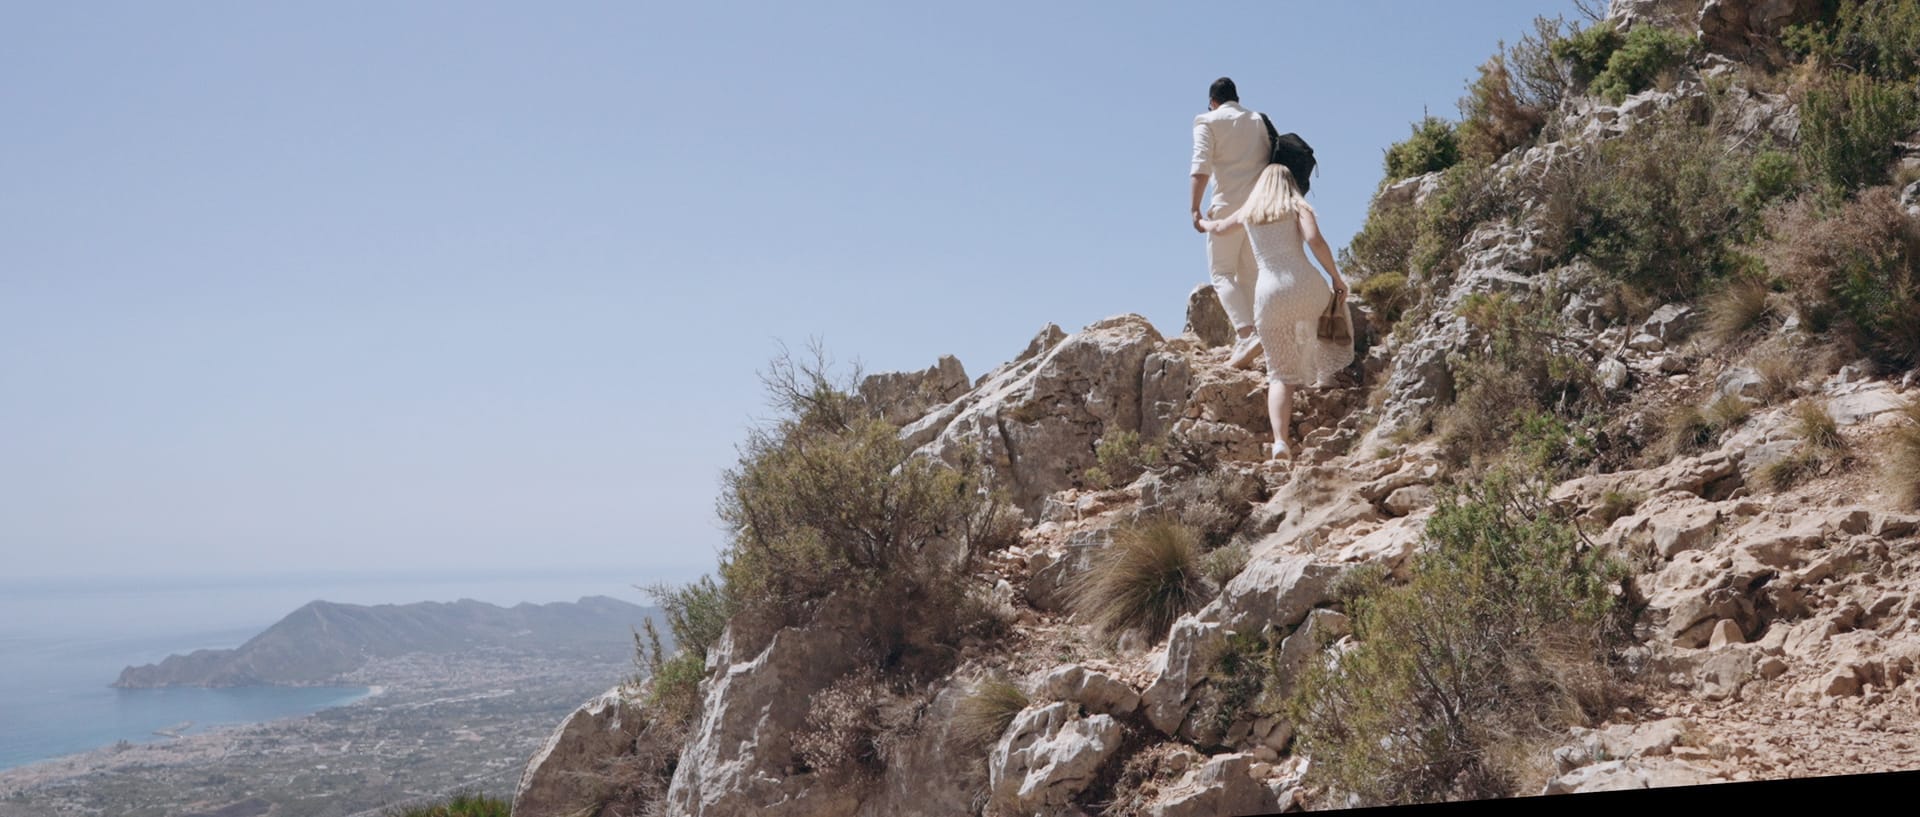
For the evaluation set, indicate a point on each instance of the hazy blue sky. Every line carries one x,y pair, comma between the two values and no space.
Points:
389,286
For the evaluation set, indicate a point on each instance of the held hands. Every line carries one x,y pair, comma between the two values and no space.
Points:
1198,227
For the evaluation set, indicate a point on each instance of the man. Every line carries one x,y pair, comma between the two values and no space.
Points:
1229,147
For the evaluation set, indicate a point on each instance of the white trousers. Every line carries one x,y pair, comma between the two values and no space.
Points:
1230,263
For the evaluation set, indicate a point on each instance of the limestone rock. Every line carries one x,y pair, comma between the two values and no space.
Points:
1618,775
739,758
1613,374
1672,323
1206,319
1037,421
1179,668
1164,380
903,397
1275,590
1223,785
1095,691
925,776
1743,27
601,731
1048,755
1409,499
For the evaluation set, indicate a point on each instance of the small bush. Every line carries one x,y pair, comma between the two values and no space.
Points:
1465,197
1774,176
1614,505
1787,471
459,805
1644,54
1433,146
1387,294
1384,245
1854,270
1739,307
1848,129
1878,38
1728,411
1121,456
1588,51
1901,470
1522,368
1146,578
842,733
1539,79
1220,566
1214,504
1780,373
1500,637
1493,119
983,716
696,613
1658,208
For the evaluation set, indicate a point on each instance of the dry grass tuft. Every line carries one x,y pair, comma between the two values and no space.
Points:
1148,577
982,717
1739,308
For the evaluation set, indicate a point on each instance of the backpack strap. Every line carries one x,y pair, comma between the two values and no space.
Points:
1273,136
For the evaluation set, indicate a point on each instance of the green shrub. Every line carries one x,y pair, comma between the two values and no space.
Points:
1499,638
827,501
1644,54
1221,565
984,715
1384,245
1853,270
1658,208
1614,505
1817,427
1774,176
1901,470
1587,51
1386,294
1879,38
1432,146
1848,129
1523,368
1121,456
696,612
459,805
1146,578
1465,197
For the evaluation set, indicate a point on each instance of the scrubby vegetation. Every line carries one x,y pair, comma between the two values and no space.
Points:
459,805
1120,456
1146,578
1901,471
1515,385
1853,268
1433,146
1501,636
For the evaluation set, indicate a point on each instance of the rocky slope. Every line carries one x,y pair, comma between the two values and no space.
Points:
324,640
1776,633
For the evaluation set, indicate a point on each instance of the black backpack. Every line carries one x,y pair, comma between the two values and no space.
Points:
1290,150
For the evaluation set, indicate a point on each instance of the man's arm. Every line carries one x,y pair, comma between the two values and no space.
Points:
1199,189
1202,162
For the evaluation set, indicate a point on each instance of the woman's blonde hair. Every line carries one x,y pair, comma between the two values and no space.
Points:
1274,195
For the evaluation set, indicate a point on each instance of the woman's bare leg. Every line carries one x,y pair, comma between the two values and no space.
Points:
1280,410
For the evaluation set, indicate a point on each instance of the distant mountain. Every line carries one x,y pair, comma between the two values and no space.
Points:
324,640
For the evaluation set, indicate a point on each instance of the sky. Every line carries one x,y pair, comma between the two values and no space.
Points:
480,286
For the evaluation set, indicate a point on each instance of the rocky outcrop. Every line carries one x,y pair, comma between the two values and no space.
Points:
1748,28
903,397
596,735
1037,423
1049,755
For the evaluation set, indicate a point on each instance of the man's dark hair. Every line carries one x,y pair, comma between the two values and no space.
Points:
1223,91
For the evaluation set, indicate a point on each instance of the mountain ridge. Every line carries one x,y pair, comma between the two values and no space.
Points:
321,640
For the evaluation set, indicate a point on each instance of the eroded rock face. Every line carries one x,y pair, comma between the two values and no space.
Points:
1747,27
1049,755
925,777
903,397
599,732
1223,785
1206,318
740,758
1038,421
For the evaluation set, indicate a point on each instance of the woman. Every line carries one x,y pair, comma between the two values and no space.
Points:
1290,295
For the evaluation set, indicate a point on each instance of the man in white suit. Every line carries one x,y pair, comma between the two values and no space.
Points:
1230,148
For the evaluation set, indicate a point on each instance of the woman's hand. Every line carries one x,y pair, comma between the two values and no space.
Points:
1339,288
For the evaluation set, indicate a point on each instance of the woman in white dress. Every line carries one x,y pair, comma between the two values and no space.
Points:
1290,295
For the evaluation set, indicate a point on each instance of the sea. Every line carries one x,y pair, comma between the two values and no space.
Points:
63,642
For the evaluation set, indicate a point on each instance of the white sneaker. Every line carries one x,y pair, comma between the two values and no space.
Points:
1244,351
1281,452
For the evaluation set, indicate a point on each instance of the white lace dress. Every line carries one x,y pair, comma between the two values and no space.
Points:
1287,302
